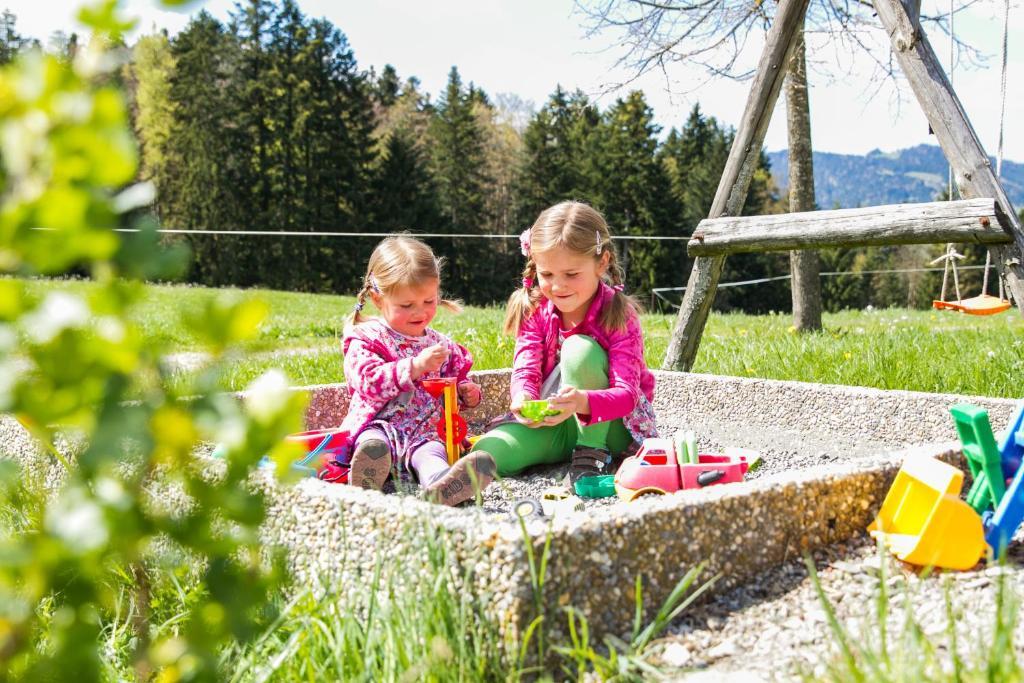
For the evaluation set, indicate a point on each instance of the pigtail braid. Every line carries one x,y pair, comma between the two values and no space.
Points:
622,307
523,301
451,305
357,310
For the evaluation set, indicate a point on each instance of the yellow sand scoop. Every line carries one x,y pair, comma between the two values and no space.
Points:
924,522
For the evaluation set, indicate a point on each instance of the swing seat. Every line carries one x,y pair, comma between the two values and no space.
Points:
983,304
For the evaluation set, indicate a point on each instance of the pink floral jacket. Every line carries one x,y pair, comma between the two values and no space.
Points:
537,354
378,368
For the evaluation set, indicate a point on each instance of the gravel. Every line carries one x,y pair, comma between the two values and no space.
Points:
775,628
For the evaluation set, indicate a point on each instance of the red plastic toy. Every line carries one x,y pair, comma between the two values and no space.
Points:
327,455
451,427
657,469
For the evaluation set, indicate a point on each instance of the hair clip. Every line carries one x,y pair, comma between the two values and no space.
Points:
619,288
373,284
527,283
524,242
358,306
597,233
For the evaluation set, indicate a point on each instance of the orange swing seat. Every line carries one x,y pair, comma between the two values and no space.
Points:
983,304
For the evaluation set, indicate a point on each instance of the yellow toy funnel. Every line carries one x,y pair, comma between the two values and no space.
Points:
924,522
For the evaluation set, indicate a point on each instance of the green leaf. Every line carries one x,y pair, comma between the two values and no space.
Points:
103,19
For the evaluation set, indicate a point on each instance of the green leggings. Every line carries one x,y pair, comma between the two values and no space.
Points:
516,446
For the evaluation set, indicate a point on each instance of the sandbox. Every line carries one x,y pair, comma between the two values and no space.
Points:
830,453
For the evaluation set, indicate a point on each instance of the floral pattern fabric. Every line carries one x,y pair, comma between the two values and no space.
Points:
378,371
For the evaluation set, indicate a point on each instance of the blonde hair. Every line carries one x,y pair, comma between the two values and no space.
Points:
581,229
399,261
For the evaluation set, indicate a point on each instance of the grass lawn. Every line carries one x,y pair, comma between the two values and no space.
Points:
889,349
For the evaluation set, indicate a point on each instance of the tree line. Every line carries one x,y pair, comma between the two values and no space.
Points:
267,122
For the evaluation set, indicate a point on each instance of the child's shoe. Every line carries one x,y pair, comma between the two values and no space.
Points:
587,462
371,465
463,480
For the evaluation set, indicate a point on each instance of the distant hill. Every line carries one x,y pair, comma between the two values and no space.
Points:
916,174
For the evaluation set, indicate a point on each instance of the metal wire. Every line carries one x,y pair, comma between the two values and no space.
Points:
314,233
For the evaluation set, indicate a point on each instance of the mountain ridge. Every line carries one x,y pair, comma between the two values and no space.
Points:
910,175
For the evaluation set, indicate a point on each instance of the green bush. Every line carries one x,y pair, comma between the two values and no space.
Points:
75,556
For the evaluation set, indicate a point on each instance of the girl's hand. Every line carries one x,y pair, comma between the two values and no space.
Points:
429,360
517,405
470,394
569,401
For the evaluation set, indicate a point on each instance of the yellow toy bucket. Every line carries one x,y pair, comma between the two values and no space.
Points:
924,522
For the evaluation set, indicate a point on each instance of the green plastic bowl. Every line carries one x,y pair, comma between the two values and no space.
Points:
537,410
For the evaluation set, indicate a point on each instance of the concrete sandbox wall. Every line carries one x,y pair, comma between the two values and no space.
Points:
596,555
335,535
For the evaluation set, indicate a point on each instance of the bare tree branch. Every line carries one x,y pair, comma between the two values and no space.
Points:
713,35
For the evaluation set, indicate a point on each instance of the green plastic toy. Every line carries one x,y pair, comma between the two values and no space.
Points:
692,454
686,447
982,456
537,410
600,486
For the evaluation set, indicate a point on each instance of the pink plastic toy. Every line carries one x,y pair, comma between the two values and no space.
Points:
657,469
327,455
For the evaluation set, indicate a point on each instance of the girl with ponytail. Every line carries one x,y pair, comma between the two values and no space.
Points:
390,414
579,345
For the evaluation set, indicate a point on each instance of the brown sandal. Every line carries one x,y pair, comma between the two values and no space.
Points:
469,475
371,465
587,462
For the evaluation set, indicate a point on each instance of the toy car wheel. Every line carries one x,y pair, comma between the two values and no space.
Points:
647,491
525,508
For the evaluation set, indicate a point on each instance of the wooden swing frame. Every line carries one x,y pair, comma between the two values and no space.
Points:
1000,231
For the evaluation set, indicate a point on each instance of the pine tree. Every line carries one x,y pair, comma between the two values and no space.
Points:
554,155
251,133
202,186
634,192
11,41
694,159
340,155
502,146
387,86
403,192
459,170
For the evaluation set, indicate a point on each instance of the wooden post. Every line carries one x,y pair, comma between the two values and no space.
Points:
971,167
732,188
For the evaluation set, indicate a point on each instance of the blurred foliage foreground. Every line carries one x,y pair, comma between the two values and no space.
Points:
67,363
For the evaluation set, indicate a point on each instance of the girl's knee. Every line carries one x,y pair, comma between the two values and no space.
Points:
515,447
581,345
584,363
503,448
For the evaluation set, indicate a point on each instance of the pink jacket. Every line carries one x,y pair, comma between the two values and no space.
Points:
377,369
536,355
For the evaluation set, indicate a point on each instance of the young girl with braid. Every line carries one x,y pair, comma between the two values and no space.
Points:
392,418
579,345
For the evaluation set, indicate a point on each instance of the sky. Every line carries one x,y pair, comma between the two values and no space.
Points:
527,47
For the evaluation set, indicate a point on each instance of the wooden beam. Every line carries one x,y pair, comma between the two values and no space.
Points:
968,220
971,167
735,181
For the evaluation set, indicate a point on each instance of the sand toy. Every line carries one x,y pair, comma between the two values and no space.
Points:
666,465
982,456
924,522
452,427
537,410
